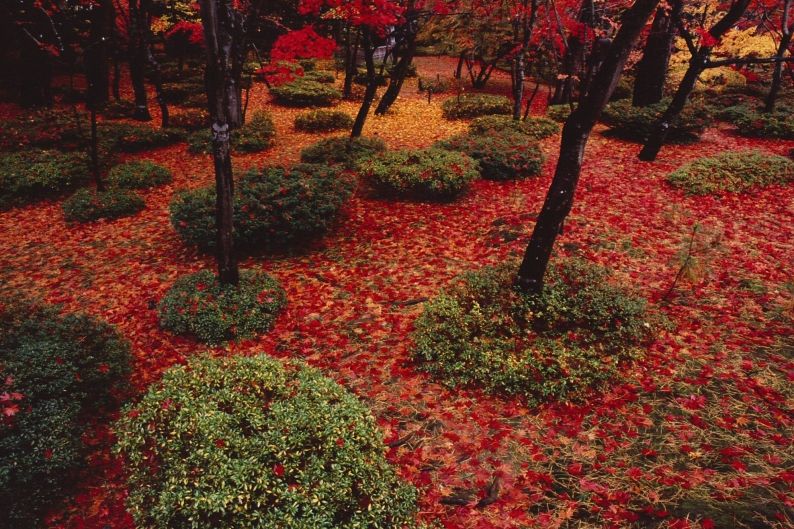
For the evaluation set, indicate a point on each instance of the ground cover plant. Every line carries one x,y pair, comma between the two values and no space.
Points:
473,105
502,155
734,172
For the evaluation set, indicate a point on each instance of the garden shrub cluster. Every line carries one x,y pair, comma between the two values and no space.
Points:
254,443
361,78
88,205
753,123
636,123
274,208
423,174
57,373
139,174
190,119
46,128
575,336
474,105
323,121
504,155
176,92
199,305
559,113
258,133
734,172
537,128
320,76
305,93
435,85
127,137
28,176
342,151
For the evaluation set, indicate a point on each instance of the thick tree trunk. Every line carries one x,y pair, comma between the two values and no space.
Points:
97,53
223,33
575,134
652,68
518,84
399,73
698,63
782,48
372,86
137,59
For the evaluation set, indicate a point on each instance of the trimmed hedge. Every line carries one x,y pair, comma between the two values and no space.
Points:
58,374
88,205
255,443
127,137
734,172
319,76
198,305
139,174
574,337
323,121
423,174
274,208
342,151
636,123
34,175
755,124
305,93
474,105
504,155
534,127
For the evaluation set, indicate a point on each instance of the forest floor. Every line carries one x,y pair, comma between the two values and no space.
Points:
694,423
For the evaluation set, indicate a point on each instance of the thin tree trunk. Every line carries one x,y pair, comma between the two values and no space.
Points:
575,134
372,86
459,67
698,63
777,75
572,60
652,68
100,184
157,76
137,59
97,56
519,61
351,65
399,73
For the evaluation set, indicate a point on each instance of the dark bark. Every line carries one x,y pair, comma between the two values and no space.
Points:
157,77
97,53
525,26
459,67
698,63
137,60
652,68
399,73
224,31
572,61
575,134
777,75
100,184
351,63
372,85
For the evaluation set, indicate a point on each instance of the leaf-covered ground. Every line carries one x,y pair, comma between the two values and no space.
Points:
699,430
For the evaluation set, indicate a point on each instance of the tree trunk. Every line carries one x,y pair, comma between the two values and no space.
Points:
137,58
223,27
97,56
351,64
459,67
777,76
157,77
399,73
573,59
372,86
100,184
575,134
698,63
35,89
652,68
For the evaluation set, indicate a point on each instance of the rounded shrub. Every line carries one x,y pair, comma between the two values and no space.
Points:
320,76
199,305
139,174
273,208
420,174
190,119
45,129
305,93
559,113
534,127
323,121
33,175
88,205
255,443
755,124
342,151
127,137
257,134
434,85
473,105
504,155
58,373
636,123
734,172
575,336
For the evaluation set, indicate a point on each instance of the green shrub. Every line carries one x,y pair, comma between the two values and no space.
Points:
473,105
47,128
200,142
305,93
636,123
274,208
88,205
320,77
735,172
534,127
755,124
574,337
411,71
176,92
254,443
342,151
33,175
139,174
199,305
194,101
323,121
504,155
435,85
559,113
118,109
127,137
421,174
57,374
257,134
190,119
361,78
